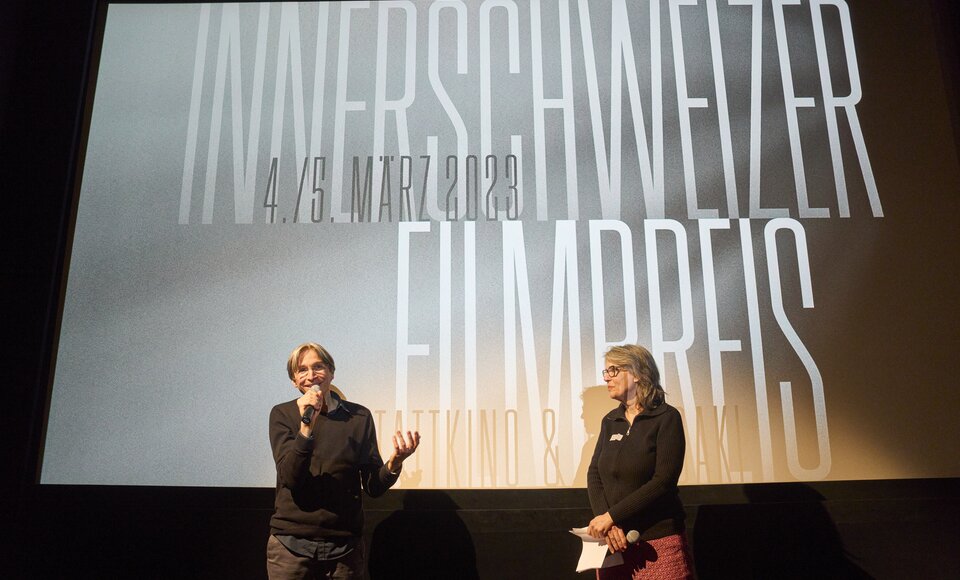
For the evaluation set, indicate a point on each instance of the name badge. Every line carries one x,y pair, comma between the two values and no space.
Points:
616,437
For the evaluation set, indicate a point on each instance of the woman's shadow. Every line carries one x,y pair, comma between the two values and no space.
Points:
425,539
596,404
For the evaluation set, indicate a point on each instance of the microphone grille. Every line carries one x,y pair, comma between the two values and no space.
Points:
633,536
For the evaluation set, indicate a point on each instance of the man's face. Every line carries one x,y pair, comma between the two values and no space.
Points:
312,371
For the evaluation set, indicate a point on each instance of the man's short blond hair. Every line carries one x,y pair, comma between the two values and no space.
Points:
294,360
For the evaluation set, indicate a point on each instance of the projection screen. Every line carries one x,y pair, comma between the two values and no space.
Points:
468,202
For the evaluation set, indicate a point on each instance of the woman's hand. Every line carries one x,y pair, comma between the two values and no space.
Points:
600,525
616,541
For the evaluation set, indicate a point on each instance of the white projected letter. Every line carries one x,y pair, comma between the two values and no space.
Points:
470,319
715,344
566,288
399,106
658,342
446,317
486,111
316,113
756,350
832,102
723,111
289,47
756,97
343,106
516,286
433,73
622,56
244,172
684,104
600,341
405,350
564,103
791,103
193,119
816,382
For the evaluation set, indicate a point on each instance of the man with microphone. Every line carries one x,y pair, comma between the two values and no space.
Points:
325,450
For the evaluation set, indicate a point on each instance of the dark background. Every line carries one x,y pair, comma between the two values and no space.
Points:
884,529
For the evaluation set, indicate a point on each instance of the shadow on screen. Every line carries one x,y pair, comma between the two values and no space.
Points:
596,404
783,532
425,539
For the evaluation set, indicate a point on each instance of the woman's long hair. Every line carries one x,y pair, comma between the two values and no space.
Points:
640,363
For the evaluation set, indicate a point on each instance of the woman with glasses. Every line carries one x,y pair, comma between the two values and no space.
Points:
632,480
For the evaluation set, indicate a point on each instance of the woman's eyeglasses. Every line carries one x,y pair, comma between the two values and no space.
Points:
610,372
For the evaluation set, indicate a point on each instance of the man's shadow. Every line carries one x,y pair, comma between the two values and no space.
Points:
425,539
596,404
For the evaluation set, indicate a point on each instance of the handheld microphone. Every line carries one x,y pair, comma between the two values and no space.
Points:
633,536
308,414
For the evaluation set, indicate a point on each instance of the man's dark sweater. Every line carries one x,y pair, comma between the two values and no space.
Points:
634,471
319,479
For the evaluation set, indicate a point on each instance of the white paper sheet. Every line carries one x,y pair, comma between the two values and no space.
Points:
594,553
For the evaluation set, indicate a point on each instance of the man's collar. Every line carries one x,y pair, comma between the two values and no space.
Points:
334,402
